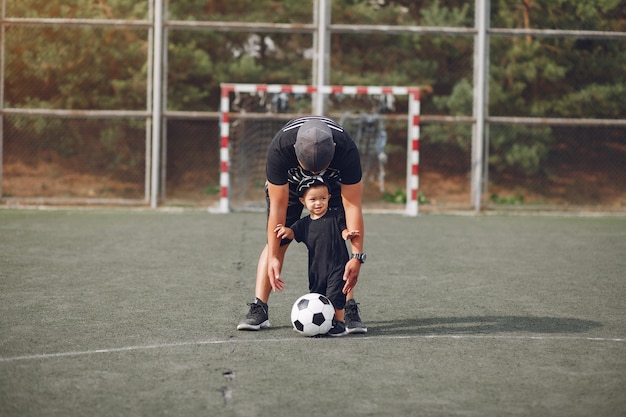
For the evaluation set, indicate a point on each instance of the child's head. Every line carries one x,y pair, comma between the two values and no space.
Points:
314,195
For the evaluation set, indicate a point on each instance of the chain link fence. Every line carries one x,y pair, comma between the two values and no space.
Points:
94,145
579,166
48,159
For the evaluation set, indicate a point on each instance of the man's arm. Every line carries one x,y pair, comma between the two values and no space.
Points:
352,195
279,199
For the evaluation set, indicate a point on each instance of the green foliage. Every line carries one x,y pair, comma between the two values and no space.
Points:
552,77
458,103
47,67
511,200
562,14
518,147
599,99
212,189
84,9
276,11
187,71
398,197
437,15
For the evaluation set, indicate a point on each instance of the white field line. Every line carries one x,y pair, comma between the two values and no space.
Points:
44,356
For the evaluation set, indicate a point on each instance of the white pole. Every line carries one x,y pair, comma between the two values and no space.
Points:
224,206
316,40
156,101
481,68
412,162
321,52
148,139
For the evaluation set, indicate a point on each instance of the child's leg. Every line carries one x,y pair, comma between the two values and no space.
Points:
339,314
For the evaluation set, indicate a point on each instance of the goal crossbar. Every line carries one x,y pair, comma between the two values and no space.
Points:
413,129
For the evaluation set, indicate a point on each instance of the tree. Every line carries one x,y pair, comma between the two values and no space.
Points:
96,68
78,68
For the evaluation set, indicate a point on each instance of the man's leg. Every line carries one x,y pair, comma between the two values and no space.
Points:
353,321
258,317
262,288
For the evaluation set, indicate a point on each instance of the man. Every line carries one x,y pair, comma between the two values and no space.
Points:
305,147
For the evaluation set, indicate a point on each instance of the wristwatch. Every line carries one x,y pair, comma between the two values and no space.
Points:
359,256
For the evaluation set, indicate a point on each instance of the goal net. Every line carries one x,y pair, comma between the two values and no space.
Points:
383,121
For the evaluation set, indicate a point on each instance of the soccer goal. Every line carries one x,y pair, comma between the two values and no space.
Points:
383,121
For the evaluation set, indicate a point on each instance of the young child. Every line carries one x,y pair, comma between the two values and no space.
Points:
324,233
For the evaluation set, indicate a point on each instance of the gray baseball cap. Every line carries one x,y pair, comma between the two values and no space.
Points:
314,145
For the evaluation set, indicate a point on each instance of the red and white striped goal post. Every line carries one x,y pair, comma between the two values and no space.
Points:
413,130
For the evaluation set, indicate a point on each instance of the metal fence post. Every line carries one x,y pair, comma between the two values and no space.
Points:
2,62
157,101
321,61
481,68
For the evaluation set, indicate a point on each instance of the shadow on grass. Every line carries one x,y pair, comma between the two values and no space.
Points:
480,325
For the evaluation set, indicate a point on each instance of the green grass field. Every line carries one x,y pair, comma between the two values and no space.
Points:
122,312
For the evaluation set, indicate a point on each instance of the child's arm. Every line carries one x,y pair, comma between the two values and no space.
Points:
283,232
349,234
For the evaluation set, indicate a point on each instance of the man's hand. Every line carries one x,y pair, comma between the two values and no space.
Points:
273,271
351,275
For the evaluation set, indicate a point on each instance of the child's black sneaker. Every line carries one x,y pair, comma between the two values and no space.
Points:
338,329
353,320
257,317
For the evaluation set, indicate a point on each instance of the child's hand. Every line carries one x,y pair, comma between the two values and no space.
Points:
283,232
350,234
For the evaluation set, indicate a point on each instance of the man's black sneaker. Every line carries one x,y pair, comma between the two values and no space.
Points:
256,318
353,320
338,329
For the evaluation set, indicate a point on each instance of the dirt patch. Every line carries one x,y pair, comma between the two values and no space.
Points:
593,176
54,180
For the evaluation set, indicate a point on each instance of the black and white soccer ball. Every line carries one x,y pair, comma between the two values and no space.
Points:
312,314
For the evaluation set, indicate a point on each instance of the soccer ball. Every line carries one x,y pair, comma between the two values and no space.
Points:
312,314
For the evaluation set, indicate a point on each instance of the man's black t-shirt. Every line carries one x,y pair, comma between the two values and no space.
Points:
282,165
